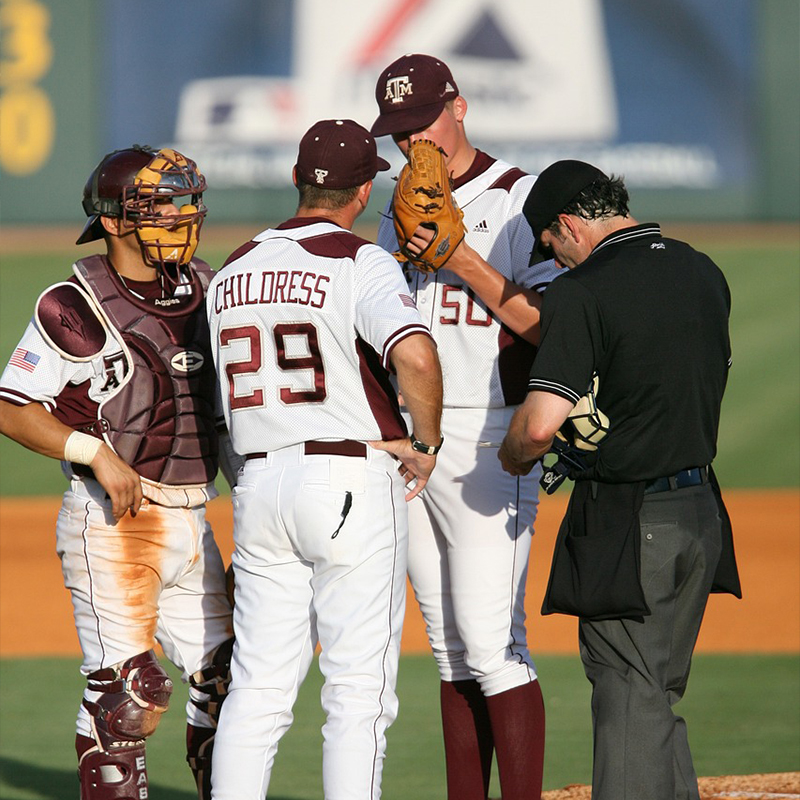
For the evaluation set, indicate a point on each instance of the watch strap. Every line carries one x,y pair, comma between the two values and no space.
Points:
428,449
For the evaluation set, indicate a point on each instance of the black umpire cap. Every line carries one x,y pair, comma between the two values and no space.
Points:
555,187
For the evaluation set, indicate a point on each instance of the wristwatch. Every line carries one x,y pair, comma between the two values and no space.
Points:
428,449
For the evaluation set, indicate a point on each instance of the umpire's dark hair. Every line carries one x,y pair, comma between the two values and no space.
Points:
312,196
575,188
604,198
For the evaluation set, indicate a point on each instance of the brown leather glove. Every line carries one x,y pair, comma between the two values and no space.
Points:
423,196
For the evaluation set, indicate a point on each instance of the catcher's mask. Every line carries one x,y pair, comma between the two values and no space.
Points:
137,185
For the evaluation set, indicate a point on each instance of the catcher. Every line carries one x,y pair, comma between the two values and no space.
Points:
114,377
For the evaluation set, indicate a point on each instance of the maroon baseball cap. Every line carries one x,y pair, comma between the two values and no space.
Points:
338,154
411,93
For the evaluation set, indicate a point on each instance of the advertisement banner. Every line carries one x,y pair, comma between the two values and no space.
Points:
665,94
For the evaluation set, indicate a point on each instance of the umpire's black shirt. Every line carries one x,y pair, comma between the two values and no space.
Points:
649,315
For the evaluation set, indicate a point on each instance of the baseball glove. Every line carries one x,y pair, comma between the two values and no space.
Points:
424,196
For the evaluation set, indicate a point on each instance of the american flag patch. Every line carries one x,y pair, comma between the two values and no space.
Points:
407,300
24,359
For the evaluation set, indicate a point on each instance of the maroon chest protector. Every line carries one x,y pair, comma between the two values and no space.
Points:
161,418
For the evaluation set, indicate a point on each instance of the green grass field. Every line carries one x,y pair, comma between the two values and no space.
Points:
741,712
760,425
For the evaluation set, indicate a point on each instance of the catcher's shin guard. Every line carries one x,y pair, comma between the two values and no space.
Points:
213,683
119,773
199,749
133,696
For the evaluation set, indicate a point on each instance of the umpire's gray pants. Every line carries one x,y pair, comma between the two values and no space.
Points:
639,670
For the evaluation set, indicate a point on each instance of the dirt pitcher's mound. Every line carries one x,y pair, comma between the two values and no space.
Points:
783,785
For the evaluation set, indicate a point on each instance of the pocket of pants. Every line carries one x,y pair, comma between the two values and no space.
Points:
605,574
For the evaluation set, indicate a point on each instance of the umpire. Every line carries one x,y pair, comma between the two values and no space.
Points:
636,331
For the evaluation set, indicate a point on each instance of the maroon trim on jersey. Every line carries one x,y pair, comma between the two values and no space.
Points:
339,244
20,399
507,180
75,409
479,165
380,393
331,244
239,252
301,222
398,336
514,362
67,317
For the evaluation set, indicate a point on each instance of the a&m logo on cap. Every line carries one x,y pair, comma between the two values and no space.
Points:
320,173
398,88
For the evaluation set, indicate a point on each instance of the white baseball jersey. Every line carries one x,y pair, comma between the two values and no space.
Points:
485,365
302,334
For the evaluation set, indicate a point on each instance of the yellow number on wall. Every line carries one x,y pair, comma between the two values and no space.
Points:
26,51
27,129
27,118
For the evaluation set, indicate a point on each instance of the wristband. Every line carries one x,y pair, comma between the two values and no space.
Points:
81,448
428,449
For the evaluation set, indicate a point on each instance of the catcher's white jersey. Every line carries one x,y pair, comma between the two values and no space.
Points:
38,373
302,335
484,364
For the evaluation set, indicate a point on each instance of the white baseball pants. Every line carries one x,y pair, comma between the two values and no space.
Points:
313,567
155,577
469,543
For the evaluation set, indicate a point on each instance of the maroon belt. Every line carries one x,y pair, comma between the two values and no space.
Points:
346,447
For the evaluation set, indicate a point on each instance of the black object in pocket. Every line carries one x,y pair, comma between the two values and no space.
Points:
595,573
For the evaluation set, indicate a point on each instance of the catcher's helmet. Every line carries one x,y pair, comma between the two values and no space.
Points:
130,184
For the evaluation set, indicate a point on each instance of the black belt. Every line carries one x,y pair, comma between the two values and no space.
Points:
695,476
346,447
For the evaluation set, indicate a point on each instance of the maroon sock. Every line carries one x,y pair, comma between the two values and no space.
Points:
467,740
518,728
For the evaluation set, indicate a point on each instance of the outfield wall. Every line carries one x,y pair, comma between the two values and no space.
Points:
696,102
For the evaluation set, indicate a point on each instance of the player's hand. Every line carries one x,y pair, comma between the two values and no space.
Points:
122,484
420,240
414,466
459,262
510,465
